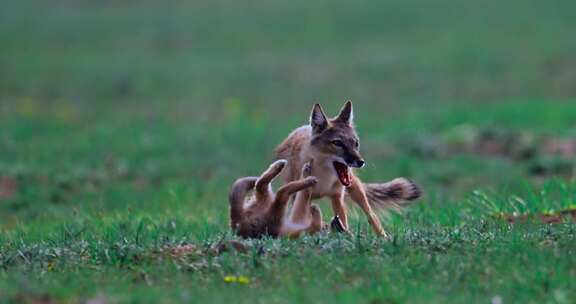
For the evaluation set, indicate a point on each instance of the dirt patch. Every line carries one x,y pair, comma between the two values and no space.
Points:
33,299
185,250
182,250
230,246
545,218
543,155
8,187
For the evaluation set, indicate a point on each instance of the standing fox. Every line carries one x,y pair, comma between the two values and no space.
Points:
333,147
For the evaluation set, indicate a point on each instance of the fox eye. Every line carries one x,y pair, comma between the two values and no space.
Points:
338,143
356,144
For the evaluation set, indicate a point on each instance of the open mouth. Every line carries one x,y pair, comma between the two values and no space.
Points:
343,173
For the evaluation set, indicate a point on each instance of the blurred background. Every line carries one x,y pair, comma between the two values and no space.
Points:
155,107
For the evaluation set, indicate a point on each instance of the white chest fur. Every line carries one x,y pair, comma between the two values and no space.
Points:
328,183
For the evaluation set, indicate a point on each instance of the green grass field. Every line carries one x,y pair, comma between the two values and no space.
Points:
124,123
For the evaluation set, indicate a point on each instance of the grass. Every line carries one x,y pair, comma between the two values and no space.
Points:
122,126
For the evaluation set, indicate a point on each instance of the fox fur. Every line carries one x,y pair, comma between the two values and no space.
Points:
334,148
263,213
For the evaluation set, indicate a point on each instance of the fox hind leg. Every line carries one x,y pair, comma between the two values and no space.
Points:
263,189
301,208
295,230
316,224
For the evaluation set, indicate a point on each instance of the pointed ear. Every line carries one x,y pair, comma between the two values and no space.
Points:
346,113
318,120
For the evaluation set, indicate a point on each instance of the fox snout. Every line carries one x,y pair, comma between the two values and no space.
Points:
359,163
356,163
354,159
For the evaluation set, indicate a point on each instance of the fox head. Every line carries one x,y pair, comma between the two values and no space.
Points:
337,140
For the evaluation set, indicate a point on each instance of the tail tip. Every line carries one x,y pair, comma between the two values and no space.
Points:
405,189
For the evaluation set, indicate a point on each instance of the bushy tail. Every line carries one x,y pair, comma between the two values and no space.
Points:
237,196
394,194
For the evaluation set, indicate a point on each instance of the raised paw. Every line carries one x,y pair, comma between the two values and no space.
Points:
278,165
311,180
307,169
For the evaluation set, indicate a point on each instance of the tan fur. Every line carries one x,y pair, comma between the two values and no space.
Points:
264,212
323,142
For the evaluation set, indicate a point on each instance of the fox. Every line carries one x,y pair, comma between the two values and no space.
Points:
264,213
333,146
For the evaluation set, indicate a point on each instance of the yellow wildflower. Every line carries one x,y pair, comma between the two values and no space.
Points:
243,280
236,279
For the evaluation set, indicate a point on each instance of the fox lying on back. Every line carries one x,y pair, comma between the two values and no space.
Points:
333,147
263,213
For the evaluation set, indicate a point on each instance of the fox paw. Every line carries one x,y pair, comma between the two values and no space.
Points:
307,169
337,226
279,164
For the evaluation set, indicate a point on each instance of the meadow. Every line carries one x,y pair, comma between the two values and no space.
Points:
124,123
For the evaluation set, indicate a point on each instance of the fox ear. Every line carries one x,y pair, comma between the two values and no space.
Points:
318,120
346,113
